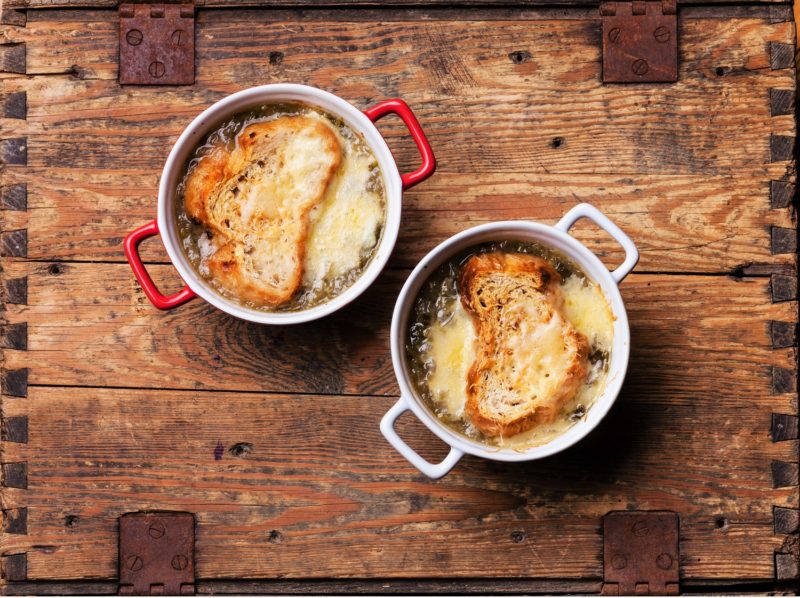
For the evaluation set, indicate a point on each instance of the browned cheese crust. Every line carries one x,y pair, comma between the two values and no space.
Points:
508,296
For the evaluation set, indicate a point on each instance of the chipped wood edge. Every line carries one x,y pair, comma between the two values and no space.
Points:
11,16
14,567
782,102
14,197
783,335
13,58
14,151
15,105
13,291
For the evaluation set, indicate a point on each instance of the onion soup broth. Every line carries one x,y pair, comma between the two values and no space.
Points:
441,343
345,228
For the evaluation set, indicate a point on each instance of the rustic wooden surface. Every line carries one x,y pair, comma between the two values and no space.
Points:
21,4
125,406
112,337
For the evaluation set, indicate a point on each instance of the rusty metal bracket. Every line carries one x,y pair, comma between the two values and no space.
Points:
156,554
640,41
156,44
640,553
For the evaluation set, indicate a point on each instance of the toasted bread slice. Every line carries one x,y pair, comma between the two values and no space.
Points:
256,201
530,360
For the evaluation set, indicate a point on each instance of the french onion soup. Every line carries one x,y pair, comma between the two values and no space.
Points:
281,208
509,343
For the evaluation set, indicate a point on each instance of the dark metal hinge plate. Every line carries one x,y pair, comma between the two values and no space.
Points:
640,553
156,44
640,41
156,554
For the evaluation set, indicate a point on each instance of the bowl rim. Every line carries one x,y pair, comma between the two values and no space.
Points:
576,251
227,107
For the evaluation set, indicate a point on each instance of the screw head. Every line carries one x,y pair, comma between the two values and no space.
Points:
157,529
664,561
156,70
178,37
614,35
134,37
661,34
618,561
640,67
180,562
134,563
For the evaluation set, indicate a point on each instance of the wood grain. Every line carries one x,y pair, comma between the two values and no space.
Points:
372,514
689,332
124,406
304,587
680,224
482,111
95,149
44,4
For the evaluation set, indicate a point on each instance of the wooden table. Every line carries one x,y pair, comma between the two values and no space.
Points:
111,406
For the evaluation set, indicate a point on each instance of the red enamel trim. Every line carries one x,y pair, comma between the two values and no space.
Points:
401,109
131,246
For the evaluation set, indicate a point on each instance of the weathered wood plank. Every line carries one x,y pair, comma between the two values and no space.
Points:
402,586
45,4
122,137
776,11
305,587
320,493
64,588
109,335
687,224
483,111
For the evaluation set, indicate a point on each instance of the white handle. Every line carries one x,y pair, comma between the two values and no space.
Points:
585,210
433,471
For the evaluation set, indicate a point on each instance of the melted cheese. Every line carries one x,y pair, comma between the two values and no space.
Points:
539,348
452,351
586,307
347,224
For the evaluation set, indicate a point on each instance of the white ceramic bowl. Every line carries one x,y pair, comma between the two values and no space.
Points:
210,119
556,237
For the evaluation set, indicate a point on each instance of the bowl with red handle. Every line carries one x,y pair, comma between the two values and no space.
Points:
165,224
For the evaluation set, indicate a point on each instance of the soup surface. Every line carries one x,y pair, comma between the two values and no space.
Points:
339,234
442,344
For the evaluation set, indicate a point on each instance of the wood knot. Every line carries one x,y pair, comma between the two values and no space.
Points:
275,537
275,57
241,449
78,72
519,56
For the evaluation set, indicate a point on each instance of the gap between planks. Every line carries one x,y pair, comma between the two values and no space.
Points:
767,271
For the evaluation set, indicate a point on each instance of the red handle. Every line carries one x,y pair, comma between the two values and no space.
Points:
401,109
131,246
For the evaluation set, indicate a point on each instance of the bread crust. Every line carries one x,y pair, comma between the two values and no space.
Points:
255,199
506,293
